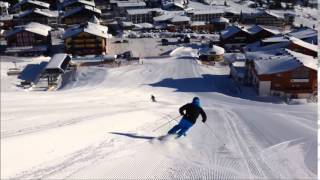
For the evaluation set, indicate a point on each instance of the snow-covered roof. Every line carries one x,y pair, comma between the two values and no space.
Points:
220,20
303,33
270,13
306,60
33,27
56,61
276,64
131,4
144,26
35,2
231,30
275,39
256,46
218,50
232,57
143,11
209,11
215,50
90,28
304,44
44,12
258,28
180,19
84,2
78,9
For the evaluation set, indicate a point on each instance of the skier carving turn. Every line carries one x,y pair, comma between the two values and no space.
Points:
190,113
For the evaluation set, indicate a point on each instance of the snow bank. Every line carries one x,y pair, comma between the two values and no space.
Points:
184,52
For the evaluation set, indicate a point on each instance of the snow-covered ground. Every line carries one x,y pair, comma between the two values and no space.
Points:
102,125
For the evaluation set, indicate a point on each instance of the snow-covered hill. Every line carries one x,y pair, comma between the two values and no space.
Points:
101,125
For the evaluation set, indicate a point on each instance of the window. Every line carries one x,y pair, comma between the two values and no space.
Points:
301,73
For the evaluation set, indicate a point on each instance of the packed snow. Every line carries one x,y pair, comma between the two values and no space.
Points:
102,124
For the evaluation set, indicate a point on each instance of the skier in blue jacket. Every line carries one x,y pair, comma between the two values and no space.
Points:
190,113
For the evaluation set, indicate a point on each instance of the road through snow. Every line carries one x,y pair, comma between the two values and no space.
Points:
101,126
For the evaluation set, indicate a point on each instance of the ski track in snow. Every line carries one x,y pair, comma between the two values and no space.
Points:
250,153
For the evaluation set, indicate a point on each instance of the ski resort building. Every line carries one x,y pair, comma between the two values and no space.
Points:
42,16
33,38
292,75
80,15
303,47
235,37
87,39
205,15
143,15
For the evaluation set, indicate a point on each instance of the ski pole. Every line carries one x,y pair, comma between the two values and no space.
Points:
166,123
210,129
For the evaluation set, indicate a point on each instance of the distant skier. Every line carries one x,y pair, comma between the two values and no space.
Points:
153,99
190,113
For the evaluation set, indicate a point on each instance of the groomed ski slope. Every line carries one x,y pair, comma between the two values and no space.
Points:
101,126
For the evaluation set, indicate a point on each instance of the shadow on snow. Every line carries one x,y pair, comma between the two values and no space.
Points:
132,135
214,83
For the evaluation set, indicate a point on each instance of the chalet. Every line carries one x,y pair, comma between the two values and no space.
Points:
292,75
30,37
235,37
87,39
120,7
143,15
42,16
80,15
271,19
4,8
72,4
205,15
30,4
219,23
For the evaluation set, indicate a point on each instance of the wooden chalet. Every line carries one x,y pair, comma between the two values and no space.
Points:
88,39
32,37
235,37
180,23
29,4
270,19
42,16
291,75
80,15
